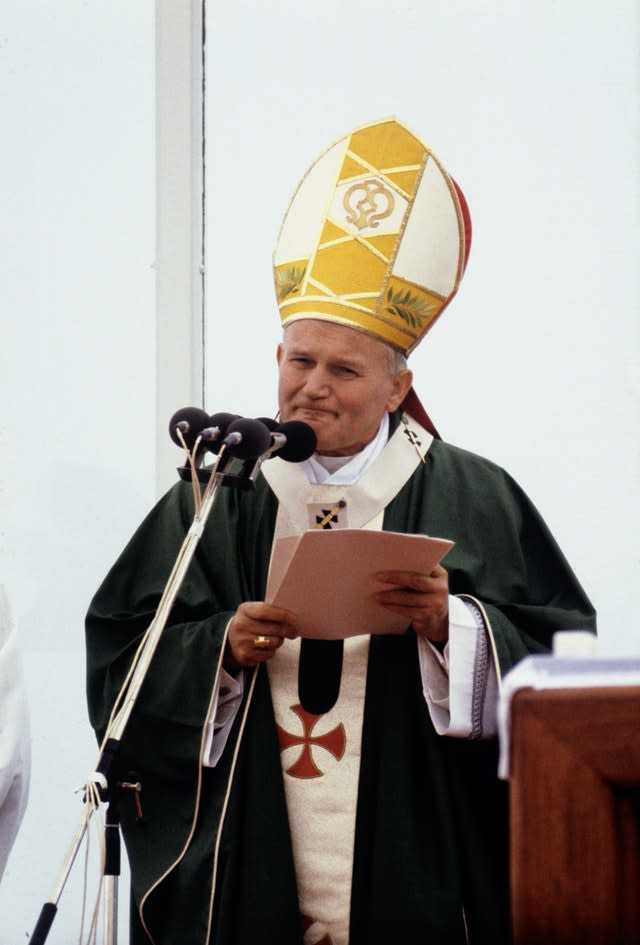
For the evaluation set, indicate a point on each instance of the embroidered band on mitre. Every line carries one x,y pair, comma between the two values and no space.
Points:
376,238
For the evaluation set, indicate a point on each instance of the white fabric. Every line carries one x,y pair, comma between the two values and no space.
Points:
430,246
347,470
225,704
322,804
449,679
297,240
15,737
322,810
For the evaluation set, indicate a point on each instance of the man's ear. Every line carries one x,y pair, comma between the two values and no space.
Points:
279,353
402,382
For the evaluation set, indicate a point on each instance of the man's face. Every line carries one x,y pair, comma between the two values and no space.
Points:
338,381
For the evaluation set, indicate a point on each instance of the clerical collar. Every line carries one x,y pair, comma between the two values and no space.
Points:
344,470
332,463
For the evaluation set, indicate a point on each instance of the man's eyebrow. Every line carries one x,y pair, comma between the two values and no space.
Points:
297,351
345,360
350,360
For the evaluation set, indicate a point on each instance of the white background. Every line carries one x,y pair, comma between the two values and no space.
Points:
77,376
532,106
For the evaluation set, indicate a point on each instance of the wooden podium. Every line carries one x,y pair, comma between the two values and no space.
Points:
575,815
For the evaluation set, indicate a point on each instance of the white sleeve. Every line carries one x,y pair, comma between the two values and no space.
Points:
460,684
15,738
225,703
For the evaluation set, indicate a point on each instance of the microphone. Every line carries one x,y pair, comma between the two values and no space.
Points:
216,429
190,422
247,439
293,441
269,423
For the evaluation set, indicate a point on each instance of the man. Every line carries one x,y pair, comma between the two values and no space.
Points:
376,817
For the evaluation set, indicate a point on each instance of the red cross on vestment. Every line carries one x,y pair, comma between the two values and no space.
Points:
334,742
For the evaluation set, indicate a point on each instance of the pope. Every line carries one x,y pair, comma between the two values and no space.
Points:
375,814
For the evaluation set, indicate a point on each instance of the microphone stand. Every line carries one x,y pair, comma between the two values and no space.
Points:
98,786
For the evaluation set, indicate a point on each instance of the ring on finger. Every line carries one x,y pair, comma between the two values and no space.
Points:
262,643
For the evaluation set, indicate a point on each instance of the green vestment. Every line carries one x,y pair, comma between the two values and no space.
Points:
431,860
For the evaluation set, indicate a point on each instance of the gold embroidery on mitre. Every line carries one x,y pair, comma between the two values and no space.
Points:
367,203
401,179
353,273
410,305
382,245
289,279
386,144
332,231
353,315
348,267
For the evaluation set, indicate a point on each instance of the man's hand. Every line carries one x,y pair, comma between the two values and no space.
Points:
422,598
255,633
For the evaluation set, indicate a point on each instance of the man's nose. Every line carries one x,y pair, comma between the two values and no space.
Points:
317,383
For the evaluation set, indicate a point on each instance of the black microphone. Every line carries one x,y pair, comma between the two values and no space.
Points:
293,441
190,421
216,429
269,423
247,439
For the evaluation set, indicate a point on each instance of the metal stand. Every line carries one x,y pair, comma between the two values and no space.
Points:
219,474
111,869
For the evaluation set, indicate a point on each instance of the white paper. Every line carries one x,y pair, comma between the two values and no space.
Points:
326,578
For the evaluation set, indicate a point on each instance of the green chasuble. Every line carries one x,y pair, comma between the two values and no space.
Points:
212,861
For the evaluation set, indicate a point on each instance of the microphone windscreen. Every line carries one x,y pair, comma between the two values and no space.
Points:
255,438
222,421
269,423
190,421
301,441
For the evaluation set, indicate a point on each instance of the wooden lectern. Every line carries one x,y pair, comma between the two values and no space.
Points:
575,816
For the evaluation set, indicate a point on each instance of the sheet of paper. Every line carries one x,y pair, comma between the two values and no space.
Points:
327,578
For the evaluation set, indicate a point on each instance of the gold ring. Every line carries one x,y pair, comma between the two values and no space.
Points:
262,643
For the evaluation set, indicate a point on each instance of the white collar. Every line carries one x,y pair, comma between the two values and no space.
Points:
353,467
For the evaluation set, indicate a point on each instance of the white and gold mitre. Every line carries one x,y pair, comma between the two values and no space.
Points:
376,237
